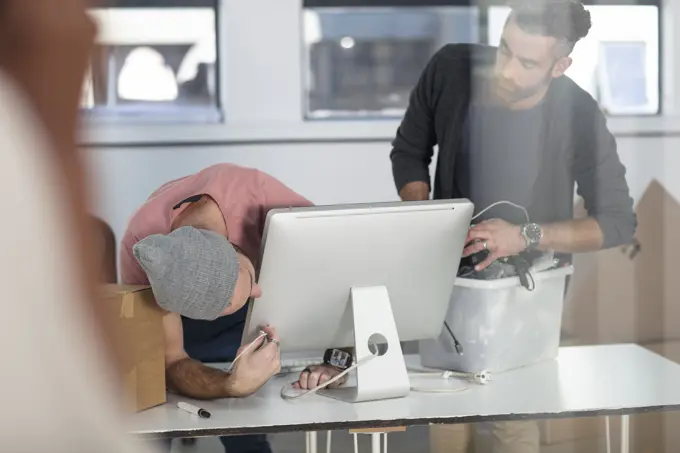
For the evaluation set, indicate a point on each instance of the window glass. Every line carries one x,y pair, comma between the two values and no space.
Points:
366,61
154,63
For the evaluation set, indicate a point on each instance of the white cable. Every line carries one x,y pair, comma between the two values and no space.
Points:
262,334
286,396
440,390
328,441
356,443
481,378
492,205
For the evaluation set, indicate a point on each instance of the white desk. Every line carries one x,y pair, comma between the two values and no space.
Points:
583,381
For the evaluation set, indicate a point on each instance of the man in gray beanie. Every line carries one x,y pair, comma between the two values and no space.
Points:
194,241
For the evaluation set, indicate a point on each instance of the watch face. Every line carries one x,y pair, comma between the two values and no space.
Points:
533,232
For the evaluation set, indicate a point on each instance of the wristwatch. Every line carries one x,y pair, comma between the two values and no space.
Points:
532,234
338,358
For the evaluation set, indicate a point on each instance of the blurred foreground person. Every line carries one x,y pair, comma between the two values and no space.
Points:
58,384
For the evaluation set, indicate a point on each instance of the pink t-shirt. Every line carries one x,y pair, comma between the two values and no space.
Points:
244,196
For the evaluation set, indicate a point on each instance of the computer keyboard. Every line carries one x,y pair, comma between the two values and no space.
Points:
288,364
295,365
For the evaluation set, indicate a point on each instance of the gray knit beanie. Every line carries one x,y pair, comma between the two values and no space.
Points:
192,272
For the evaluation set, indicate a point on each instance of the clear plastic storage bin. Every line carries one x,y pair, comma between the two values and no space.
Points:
500,324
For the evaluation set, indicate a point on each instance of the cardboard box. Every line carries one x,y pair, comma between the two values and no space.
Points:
629,294
138,328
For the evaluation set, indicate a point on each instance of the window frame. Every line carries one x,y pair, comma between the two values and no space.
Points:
253,118
208,114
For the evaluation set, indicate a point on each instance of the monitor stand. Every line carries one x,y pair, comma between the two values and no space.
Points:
384,376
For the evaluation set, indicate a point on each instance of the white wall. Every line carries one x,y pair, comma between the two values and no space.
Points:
325,173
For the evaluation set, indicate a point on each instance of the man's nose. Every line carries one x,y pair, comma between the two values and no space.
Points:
508,72
256,291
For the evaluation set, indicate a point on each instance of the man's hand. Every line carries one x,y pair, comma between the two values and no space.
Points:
497,236
318,374
193,379
256,365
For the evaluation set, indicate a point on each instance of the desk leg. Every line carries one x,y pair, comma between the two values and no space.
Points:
311,442
608,434
378,440
375,442
625,434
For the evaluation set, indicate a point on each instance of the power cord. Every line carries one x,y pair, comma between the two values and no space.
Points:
456,343
493,205
286,396
481,378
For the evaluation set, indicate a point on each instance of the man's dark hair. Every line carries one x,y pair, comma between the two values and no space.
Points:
566,20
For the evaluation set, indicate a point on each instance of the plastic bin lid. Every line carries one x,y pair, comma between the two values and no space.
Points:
509,282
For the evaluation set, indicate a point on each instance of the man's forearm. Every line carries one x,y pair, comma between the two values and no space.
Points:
574,236
193,379
415,191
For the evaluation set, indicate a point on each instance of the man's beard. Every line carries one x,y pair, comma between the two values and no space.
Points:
511,93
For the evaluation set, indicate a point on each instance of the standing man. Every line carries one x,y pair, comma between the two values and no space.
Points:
511,126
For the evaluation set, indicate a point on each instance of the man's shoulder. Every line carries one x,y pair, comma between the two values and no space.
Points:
571,104
568,92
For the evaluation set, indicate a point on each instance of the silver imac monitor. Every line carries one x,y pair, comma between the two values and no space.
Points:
360,275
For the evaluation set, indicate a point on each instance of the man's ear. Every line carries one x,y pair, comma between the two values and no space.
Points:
561,66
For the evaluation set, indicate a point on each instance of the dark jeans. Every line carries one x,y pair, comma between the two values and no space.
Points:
256,443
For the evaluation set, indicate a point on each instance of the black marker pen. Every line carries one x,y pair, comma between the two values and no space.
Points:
194,410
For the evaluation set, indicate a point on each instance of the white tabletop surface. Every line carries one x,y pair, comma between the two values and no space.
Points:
586,380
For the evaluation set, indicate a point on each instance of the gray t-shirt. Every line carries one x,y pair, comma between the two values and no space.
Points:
499,159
